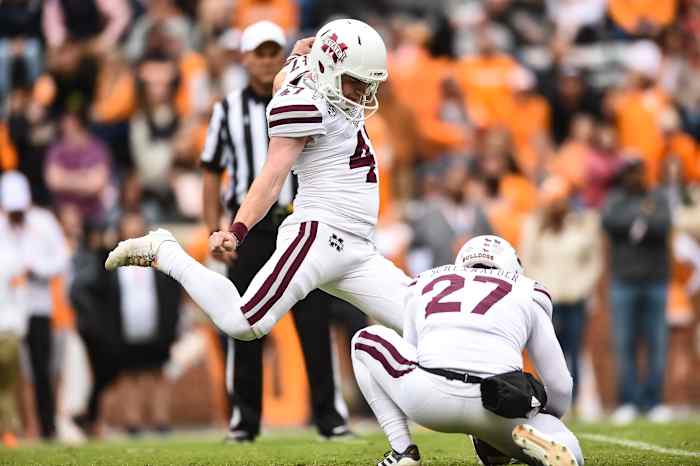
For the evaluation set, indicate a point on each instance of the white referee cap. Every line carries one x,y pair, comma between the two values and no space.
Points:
263,31
15,194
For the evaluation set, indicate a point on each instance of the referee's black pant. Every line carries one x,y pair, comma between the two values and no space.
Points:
311,318
39,343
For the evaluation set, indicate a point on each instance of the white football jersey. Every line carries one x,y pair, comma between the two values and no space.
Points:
337,172
475,320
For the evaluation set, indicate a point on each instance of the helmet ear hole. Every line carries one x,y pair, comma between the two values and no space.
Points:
321,68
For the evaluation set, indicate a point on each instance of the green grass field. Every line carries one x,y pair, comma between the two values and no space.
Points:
302,447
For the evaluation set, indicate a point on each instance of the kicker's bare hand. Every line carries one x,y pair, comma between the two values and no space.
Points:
303,46
222,246
222,241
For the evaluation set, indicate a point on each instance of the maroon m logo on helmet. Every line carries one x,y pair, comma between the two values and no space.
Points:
332,47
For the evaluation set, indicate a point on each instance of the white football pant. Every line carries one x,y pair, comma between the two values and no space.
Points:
309,255
397,391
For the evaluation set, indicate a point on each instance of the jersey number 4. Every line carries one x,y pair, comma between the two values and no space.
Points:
363,157
456,283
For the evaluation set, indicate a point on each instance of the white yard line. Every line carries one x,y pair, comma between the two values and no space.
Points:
639,445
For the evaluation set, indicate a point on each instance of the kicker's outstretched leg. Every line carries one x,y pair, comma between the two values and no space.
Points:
212,292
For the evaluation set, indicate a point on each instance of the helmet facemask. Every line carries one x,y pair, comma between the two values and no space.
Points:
354,111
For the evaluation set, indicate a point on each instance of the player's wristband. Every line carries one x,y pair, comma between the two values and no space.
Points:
239,230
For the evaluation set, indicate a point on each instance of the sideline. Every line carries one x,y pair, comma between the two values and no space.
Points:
639,445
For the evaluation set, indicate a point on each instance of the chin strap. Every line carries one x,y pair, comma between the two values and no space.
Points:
354,112
359,112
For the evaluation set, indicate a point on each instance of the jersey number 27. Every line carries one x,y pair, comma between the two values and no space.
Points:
456,283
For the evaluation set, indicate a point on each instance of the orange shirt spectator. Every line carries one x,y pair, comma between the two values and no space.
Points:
570,163
197,244
285,13
678,145
520,193
486,81
683,147
506,221
574,154
63,316
528,123
507,213
679,309
414,74
8,154
417,78
403,138
637,114
639,16
192,95
115,92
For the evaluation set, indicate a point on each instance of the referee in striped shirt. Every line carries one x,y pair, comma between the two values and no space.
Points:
237,142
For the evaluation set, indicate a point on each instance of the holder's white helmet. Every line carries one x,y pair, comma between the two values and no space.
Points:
348,46
489,251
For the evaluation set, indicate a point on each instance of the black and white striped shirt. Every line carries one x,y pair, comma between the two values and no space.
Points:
237,141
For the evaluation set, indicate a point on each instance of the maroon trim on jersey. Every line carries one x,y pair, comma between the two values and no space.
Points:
282,287
294,108
386,344
289,121
544,292
265,288
379,357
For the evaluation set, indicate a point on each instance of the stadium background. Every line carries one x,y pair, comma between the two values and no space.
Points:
503,107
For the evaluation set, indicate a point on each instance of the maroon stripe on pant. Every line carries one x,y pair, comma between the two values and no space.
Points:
391,348
294,108
379,357
265,288
287,121
282,287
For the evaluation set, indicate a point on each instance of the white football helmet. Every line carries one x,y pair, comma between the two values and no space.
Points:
489,251
348,46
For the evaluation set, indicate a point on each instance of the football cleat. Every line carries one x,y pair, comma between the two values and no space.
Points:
339,434
542,448
142,251
410,457
488,455
239,436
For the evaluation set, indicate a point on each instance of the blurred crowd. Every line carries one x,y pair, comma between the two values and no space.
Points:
569,127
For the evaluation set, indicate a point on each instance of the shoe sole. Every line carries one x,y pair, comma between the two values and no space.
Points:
119,256
542,448
121,259
408,462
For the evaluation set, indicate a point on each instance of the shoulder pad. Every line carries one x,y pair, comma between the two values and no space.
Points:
542,297
294,112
